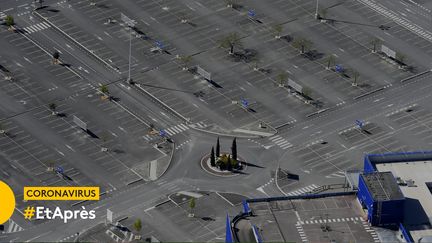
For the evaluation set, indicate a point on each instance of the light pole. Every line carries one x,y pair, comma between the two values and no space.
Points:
130,23
316,10
130,54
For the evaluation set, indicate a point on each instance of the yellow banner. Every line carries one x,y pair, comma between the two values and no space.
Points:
61,193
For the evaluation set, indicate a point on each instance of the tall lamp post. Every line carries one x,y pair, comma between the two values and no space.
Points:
130,23
316,10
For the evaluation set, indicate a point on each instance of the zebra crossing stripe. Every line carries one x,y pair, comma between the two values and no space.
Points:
184,126
45,25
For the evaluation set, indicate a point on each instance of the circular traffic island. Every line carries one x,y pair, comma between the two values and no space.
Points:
224,165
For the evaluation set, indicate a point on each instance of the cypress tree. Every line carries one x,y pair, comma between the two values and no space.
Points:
212,158
234,149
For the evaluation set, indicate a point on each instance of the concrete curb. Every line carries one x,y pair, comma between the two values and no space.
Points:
214,174
415,76
169,162
277,184
370,92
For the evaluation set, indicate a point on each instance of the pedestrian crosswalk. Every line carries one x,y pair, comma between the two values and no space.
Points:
36,27
176,129
280,141
2,15
303,190
335,220
13,227
171,131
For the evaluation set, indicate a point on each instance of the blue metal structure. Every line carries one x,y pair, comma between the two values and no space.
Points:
251,13
244,102
385,209
228,231
339,68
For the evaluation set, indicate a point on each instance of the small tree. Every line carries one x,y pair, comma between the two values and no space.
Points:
191,207
375,42
104,90
278,30
56,56
306,91
137,225
400,58
281,77
104,138
212,158
322,13
330,61
10,22
52,107
234,149
185,61
356,76
302,44
230,41
217,148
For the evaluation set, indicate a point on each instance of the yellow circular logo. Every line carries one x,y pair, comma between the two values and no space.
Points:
7,202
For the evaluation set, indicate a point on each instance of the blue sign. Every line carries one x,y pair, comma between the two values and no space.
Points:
359,123
162,133
244,102
59,170
339,68
251,13
159,44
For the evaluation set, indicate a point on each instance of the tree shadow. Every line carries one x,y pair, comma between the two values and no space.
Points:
118,151
252,165
192,24
287,38
313,55
102,5
237,6
61,114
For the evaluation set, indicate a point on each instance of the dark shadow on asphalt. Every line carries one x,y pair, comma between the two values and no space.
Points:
62,114
192,24
65,65
101,5
251,165
118,151
313,55
208,219
91,134
251,110
53,10
216,85
116,99
40,8
287,38
367,132
66,177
